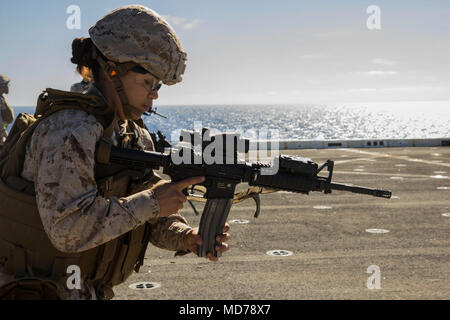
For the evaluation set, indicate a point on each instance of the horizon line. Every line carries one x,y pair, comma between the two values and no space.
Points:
277,104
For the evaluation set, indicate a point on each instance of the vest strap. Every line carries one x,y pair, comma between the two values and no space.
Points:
59,267
146,240
104,259
21,185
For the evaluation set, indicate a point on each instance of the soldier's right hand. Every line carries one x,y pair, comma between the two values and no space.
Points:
170,194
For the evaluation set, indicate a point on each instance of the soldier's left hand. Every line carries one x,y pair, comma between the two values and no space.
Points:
193,240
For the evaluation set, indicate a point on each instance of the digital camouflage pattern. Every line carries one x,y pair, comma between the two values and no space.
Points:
137,34
60,160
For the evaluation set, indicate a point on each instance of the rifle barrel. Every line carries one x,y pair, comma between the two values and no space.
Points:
356,189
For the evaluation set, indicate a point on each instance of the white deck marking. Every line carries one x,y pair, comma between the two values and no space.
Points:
377,230
400,175
404,158
353,160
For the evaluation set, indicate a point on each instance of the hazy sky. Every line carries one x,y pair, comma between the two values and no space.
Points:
253,51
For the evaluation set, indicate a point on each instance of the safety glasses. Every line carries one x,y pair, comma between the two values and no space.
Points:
149,85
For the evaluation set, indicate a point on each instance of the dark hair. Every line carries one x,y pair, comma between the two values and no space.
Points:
87,67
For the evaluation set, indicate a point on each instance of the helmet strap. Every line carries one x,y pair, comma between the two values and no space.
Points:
115,72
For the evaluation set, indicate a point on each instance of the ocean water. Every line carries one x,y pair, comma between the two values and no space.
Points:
299,122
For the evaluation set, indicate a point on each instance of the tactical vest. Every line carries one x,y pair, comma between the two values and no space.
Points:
25,248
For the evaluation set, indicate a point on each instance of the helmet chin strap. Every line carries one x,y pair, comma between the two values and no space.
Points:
115,72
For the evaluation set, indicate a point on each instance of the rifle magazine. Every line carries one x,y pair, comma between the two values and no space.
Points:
214,217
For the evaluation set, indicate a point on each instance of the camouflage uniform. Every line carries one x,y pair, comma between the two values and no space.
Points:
3,131
60,154
60,160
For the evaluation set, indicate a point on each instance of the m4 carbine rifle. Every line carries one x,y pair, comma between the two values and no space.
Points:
294,174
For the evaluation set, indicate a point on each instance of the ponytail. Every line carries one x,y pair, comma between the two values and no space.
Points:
87,67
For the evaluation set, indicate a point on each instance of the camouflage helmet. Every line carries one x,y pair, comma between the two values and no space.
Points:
4,79
137,34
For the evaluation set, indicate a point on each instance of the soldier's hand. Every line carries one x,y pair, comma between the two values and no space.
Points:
170,194
193,240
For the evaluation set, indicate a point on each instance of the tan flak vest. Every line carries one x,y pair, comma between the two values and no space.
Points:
25,248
